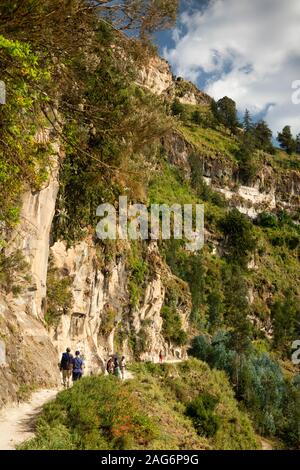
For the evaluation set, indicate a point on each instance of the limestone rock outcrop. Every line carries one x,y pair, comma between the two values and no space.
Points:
157,77
101,311
30,358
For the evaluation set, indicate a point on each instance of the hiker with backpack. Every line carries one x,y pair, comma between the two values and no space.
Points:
117,370
78,365
110,366
66,367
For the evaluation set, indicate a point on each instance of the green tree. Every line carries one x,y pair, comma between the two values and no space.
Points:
236,307
247,121
239,236
285,315
226,113
215,309
196,117
298,144
263,137
286,140
177,108
246,158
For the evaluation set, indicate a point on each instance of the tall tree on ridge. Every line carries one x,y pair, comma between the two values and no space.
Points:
226,113
263,136
298,144
286,140
247,121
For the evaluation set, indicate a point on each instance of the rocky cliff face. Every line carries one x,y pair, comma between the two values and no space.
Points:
28,356
271,189
101,320
157,77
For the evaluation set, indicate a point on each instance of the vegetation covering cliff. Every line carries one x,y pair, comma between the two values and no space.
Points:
81,126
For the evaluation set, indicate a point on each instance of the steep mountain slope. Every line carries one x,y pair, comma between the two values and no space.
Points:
83,127
149,412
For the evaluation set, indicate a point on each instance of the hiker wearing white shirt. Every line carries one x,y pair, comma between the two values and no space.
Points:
123,367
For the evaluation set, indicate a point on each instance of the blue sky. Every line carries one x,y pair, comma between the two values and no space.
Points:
248,50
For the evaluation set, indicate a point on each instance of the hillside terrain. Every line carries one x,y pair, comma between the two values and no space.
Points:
84,124
149,412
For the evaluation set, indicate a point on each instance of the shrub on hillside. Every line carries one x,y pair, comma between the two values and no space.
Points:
285,315
177,108
259,382
201,411
267,220
172,326
97,413
201,348
239,236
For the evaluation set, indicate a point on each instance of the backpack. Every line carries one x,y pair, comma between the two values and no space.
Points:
66,361
77,364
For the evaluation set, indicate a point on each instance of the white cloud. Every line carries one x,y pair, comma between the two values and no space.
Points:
250,51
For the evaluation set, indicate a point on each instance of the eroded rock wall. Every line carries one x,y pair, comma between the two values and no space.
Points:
30,357
101,310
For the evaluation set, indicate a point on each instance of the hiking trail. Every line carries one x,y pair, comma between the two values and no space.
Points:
266,445
17,421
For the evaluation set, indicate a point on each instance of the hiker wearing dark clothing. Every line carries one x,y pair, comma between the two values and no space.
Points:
110,366
66,367
77,367
117,370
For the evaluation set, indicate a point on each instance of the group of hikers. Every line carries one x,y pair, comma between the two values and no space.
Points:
73,366
116,367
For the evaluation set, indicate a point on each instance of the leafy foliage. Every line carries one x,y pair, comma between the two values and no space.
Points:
23,160
177,109
258,381
247,159
143,17
13,272
172,328
148,412
96,414
139,270
59,295
172,324
286,316
201,410
286,140
225,113
239,236
263,137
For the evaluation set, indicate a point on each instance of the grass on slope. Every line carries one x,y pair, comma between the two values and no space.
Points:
167,186
149,412
219,143
211,142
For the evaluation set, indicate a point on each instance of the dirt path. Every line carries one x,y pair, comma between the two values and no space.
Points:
128,375
17,421
266,445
